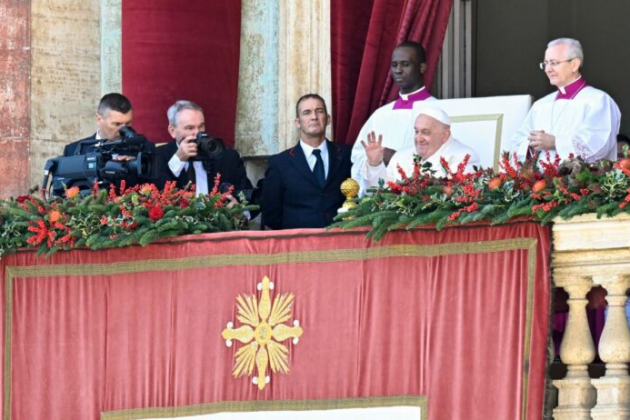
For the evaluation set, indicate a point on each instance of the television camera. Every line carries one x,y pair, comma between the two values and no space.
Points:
100,164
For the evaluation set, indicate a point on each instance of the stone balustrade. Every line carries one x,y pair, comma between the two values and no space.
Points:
590,252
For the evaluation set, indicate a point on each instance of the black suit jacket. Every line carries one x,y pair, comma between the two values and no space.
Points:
229,165
86,145
292,198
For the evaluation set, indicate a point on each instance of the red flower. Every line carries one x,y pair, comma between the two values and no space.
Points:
22,198
183,203
156,213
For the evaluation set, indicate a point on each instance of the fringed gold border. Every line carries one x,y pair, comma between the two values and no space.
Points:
456,248
275,405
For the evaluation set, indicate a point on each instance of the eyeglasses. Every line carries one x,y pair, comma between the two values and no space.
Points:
553,64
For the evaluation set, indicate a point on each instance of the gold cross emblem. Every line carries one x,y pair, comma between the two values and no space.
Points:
262,334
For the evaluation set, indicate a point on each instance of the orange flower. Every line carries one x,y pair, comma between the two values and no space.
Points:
72,192
539,186
494,183
54,216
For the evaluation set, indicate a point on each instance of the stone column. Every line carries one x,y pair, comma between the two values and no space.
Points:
111,46
304,61
285,53
65,76
15,83
613,390
576,395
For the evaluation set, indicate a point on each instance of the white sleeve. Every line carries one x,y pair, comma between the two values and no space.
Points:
596,135
359,158
392,167
520,144
175,165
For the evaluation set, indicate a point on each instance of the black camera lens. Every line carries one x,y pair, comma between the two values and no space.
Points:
209,146
127,132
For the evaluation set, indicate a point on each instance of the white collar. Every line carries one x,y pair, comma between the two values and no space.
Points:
405,96
563,88
308,149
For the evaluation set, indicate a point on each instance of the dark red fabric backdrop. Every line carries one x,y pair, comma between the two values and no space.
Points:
363,35
458,316
173,50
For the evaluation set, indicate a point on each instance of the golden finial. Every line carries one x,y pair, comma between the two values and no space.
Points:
350,189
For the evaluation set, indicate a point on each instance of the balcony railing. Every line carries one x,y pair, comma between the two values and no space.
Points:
590,252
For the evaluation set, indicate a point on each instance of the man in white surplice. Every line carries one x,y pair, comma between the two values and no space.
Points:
577,118
394,121
433,141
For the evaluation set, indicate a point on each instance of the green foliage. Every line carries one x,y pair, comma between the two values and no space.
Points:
537,189
102,219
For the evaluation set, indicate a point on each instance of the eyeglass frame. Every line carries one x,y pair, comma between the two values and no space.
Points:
543,66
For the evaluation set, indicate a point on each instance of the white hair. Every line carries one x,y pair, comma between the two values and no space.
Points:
574,48
179,106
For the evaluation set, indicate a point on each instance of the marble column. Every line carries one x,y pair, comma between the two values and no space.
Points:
285,53
111,46
304,61
15,84
65,76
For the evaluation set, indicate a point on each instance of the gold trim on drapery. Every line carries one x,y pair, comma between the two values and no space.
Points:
358,254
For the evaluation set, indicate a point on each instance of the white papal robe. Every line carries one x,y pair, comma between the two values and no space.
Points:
394,122
453,151
584,120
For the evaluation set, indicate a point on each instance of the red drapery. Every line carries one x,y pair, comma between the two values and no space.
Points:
363,35
458,317
173,50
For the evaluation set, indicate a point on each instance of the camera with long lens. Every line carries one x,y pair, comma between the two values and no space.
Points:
99,164
208,147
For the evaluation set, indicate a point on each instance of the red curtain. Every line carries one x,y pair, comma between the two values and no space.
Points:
363,35
173,50
459,317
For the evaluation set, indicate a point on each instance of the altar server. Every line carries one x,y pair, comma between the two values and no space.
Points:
577,118
394,121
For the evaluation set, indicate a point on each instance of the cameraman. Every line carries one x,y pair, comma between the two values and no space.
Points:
182,161
114,111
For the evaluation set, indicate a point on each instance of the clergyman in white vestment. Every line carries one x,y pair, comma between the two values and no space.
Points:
577,119
394,121
433,141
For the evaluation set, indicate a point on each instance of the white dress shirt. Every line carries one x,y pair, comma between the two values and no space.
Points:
310,157
201,176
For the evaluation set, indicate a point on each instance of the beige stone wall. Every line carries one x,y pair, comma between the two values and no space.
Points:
65,76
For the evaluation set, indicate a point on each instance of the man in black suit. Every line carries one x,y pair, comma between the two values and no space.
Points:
114,111
181,160
301,187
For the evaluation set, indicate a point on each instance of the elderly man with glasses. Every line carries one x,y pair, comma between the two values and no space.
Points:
576,119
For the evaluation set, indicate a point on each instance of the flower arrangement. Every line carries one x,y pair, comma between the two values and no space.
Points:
538,189
110,219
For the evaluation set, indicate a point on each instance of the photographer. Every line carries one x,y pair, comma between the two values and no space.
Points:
184,161
114,112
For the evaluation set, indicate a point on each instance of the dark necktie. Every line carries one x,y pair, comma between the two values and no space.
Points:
192,174
318,170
